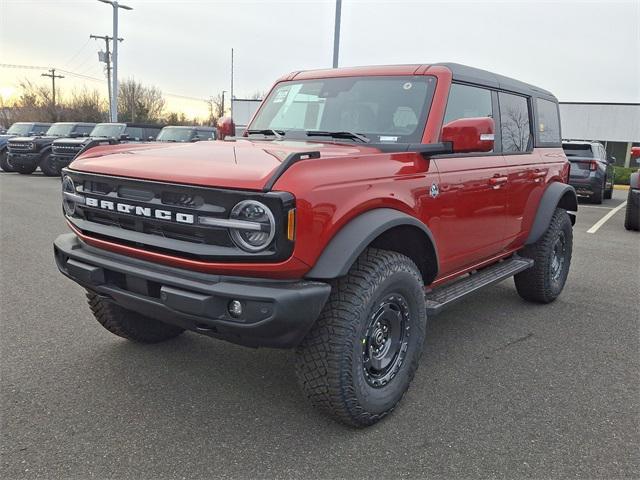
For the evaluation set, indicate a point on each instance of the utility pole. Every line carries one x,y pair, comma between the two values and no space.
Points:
53,76
336,34
223,92
114,104
231,93
107,61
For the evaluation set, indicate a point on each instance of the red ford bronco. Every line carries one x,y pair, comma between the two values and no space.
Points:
359,202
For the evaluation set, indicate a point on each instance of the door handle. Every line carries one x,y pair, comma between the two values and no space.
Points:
497,180
537,175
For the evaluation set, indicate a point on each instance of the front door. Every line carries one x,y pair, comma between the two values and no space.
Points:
472,191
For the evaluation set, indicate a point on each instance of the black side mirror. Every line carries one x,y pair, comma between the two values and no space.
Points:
124,136
612,160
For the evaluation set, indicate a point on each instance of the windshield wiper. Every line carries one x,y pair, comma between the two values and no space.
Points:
351,135
268,131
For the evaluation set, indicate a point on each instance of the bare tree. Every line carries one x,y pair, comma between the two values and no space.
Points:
139,103
217,105
515,129
85,105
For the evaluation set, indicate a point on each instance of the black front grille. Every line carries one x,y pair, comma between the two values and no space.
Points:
19,146
192,240
65,149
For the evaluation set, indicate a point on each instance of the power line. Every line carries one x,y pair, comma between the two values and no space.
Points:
66,64
93,79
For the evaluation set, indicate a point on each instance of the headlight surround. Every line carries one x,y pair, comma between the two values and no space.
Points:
260,223
68,194
31,146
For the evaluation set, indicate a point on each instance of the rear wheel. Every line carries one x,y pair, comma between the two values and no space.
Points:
48,166
544,281
608,192
358,359
129,324
4,162
598,194
632,213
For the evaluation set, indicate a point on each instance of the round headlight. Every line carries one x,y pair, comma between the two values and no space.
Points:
256,227
68,203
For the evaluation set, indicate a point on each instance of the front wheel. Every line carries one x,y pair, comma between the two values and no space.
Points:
4,162
129,324
48,166
359,358
551,254
632,212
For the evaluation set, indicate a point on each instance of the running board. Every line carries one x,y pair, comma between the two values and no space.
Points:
440,298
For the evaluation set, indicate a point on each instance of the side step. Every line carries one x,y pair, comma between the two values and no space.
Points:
442,297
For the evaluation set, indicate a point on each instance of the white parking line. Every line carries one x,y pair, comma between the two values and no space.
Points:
596,206
602,221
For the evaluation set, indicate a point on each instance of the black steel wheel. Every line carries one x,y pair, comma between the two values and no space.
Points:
358,359
4,162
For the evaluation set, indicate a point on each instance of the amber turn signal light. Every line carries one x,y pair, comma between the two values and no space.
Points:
291,224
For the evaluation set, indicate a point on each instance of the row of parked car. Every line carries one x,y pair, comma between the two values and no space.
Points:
25,146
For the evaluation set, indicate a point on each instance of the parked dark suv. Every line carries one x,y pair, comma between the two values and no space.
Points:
591,172
18,129
27,153
186,134
64,150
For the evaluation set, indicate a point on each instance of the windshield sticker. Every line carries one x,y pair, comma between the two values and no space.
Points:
384,138
281,95
407,86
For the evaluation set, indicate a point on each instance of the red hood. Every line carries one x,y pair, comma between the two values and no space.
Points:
242,164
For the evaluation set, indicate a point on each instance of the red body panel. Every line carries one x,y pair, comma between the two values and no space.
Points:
483,210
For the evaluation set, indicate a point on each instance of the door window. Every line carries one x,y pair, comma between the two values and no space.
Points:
468,102
515,127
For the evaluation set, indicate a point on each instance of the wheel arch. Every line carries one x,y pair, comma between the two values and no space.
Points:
383,228
556,195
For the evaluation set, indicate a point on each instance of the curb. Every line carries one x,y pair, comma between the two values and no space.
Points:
621,187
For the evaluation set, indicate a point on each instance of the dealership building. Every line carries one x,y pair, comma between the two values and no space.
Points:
615,125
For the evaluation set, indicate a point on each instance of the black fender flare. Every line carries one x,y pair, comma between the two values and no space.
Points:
556,195
634,180
345,247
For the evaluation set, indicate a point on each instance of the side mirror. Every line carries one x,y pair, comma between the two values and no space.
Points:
635,153
470,134
124,136
612,160
226,128
150,138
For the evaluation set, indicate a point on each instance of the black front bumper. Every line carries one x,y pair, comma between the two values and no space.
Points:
24,159
60,161
276,313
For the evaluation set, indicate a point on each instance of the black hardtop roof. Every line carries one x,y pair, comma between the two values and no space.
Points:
74,123
40,124
464,73
129,124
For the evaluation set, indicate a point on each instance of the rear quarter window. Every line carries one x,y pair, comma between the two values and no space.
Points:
548,121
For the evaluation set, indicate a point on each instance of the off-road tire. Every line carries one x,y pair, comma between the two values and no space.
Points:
330,360
48,168
537,284
24,169
4,162
632,210
128,324
597,195
608,192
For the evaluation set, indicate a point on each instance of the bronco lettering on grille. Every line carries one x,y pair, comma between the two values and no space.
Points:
147,212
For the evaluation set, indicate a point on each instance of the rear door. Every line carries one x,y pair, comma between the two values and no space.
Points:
472,190
526,171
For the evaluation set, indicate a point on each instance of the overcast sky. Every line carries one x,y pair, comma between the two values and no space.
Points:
581,51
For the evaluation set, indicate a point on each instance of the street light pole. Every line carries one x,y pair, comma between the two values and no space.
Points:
114,92
336,34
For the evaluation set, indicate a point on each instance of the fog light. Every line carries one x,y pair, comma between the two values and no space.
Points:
235,308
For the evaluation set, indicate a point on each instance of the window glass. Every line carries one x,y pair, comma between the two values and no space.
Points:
548,121
514,123
468,102
390,109
82,129
135,133
205,134
577,150
151,133
40,128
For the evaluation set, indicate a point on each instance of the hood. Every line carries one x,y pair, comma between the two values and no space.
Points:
73,140
241,164
35,138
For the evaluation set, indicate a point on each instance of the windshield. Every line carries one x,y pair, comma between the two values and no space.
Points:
175,134
384,109
577,150
20,129
108,130
60,130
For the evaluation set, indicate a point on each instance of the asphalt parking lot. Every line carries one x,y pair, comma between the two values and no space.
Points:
505,389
